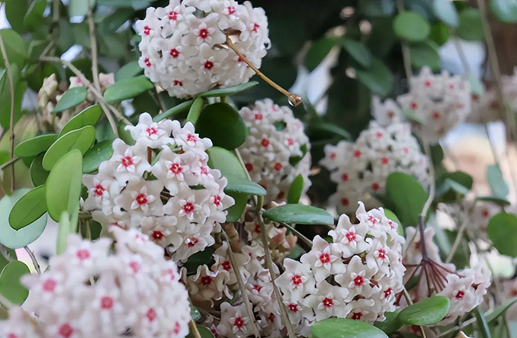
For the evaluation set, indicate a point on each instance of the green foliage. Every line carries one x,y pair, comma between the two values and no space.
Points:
425,54
408,197
504,10
299,214
28,208
496,181
345,328
470,27
377,78
37,173
195,110
428,311
72,98
500,310
221,123
318,51
391,324
171,113
446,12
198,259
411,26
88,117
14,47
127,89
482,324
81,139
243,185
10,286
295,190
502,231
204,332
100,152
35,145
128,71
230,90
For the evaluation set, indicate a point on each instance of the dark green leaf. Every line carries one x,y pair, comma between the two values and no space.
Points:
125,135
64,185
345,328
235,212
318,52
128,71
195,110
439,33
295,190
35,145
127,89
408,195
495,200
5,109
15,12
204,332
324,128
15,48
198,259
10,286
428,311
496,181
482,324
34,14
458,181
502,231
411,26
378,78
72,98
87,117
137,4
375,8
84,65
381,39
15,239
171,113
94,157
358,51
504,10
229,91
239,184
445,11
221,123
6,252
425,54
81,139
38,174
110,24
470,27
226,162
390,324
299,214
28,209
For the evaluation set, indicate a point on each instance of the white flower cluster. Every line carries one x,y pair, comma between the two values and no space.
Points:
509,292
276,150
161,185
51,92
357,275
362,167
92,292
184,44
464,288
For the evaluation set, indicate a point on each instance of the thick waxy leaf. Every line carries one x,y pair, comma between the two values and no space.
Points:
127,89
318,51
64,185
15,12
195,110
171,113
504,10
428,311
35,145
378,78
358,51
239,184
221,123
81,139
502,231
439,33
408,196
94,157
496,181
299,214
14,47
6,252
87,117
67,225
38,174
15,239
446,12
10,286
34,14
295,190
425,54
470,27
458,181
79,7
324,128
128,71
345,328
72,98
229,91
411,26
390,324
235,212
482,324
199,258
28,208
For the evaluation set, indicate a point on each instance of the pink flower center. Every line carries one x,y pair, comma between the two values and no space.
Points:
293,308
226,265
413,105
325,258
328,302
391,114
231,10
297,280
83,254
206,280
157,235
460,295
147,62
259,117
350,236
384,160
147,30
359,280
209,65
256,26
204,170
151,314
191,138
174,53
436,115
203,33
290,142
173,15
192,241
99,190
188,207
486,213
278,166
106,303
378,134
382,253
264,142
176,168
135,266
217,200
49,285
151,131
427,83
177,328
127,161
239,323
11,335
357,153
66,330
332,156
141,199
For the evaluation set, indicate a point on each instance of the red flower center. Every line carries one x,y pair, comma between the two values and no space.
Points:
249,166
328,302
99,190
391,114
147,62
384,160
178,83
350,236
375,186
49,285
413,105
357,153
151,131
173,15
344,177
345,202
188,207
66,330
209,65
257,287
151,314
141,199
297,280
290,142
191,138
357,315
436,115
203,33
332,156
257,228
256,26
281,195
486,213
83,254
427,83
264,142
157,235
217,200
106,303
325,258
147,30
382,253
226,265
206,280
460,295
239,322
174,53
231,10
176,168
191,241
126,161
259,117
293,308
378,134
278,166
387,292
359,280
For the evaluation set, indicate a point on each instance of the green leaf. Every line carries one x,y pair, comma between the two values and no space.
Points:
243,185
471,27
127,89
390,324
378,78
35,145
504,10
35,14
5,109
495,200
137,4
15,239
445,11
221,123
81,139
15,12
345,328
15,48
10,285
128,71
299,214
125,135
67,226
439,33
6,252
411,27
195,110
171,113
458,181
482,324
64,185
428,311
194,313
87,117
204,332
29,208
377,8
79,7
502,231
390,215
324,128
425,54
500,310
70,99
197,259
358,51
496,181
229,90
295,190
408,196
318,52
38,174
235,212
94,157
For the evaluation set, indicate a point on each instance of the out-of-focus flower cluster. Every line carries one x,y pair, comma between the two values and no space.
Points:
184,47
162,185
276,150
356,275
93,291
51,92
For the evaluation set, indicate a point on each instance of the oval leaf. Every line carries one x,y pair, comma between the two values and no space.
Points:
299,214
504,10
238,184
15,47
127,89
87,117
358,51
28,208
439,33
235,212
221,123
128,71
378,78
35,145
229,90
195,110
502,231
471,27
15,239
411,26
445,11
345,328
81,139
318,52
38,174
408,196
70,99
295,190
64,185
427,311
94,157
226,162
425,54
10,286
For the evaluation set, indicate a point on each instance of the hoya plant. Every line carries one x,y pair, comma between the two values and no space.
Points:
198,189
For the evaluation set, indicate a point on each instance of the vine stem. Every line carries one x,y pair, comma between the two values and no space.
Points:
8,163
430,198
459,236
33,259
11,88
193,329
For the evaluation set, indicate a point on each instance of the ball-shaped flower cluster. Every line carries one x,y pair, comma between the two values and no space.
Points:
184,47
441,102
276,150
92,291
362,167
356,275
162,185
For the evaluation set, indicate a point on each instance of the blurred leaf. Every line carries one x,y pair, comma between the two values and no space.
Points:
496,181
411,26
87,117
495,200
391,323
295,190
79,7
229,90
221,123
72,98
10,285
100,152
111,23
375,8
458,181
345,328
382,38
28,209
35,145
204,332
504,10
324,128
81,139
428,311
6,252
15,12
482,324
137,4
445,11
500,310
470,28
34,14
5,108
439,33
299,214
425,54
235,212
83,65
408,195
502,231
128,71
358,51
378,78
318,52
198,259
